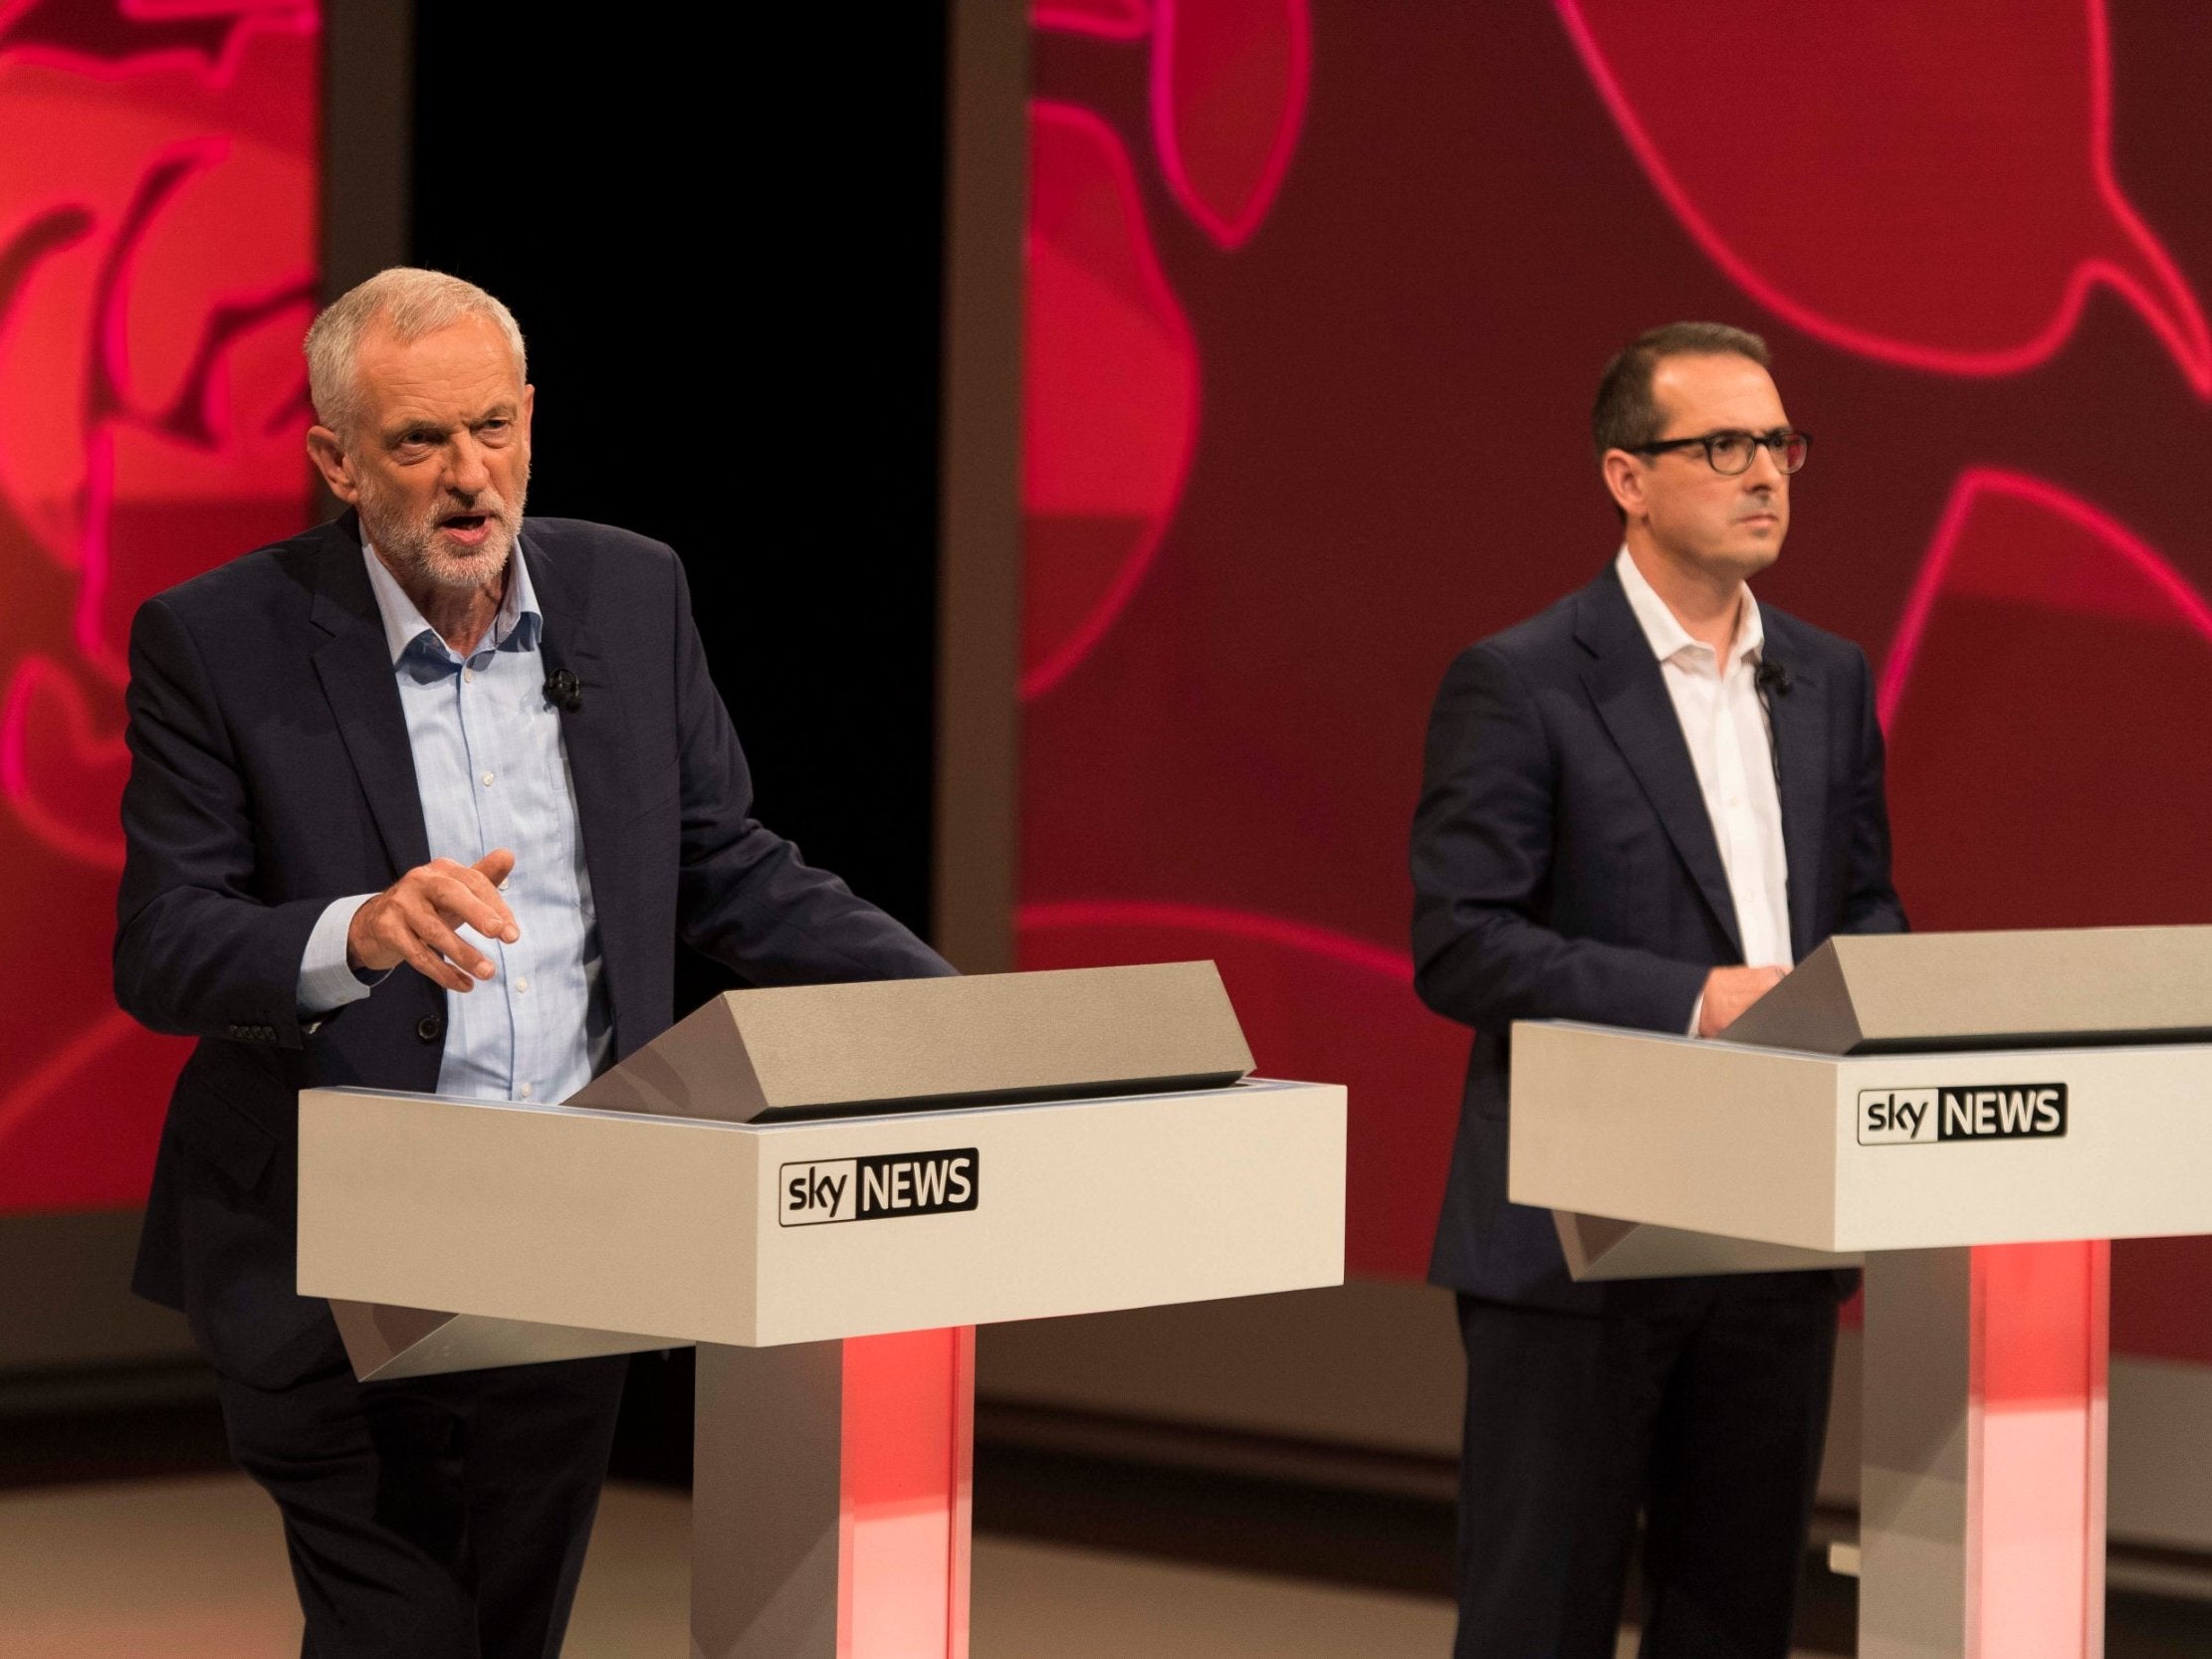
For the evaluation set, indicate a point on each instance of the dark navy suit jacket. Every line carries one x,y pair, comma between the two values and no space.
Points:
271,773
1565,868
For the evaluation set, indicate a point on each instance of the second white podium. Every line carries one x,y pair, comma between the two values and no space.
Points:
1973,1116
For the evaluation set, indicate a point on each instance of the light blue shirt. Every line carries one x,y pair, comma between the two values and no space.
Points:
491,772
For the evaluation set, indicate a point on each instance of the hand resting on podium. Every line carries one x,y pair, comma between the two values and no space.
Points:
1729,991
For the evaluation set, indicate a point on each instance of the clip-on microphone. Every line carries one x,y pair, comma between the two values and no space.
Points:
566,691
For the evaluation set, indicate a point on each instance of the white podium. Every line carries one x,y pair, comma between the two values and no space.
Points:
1973,1116
739,1184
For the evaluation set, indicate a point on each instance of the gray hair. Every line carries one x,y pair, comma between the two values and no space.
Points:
410,302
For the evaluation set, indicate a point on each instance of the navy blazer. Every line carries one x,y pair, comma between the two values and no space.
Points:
271,773
1565,868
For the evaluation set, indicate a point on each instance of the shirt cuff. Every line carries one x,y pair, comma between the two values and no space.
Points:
1696,1013
327,979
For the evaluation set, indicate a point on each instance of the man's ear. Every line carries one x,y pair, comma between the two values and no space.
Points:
332,460
1623,477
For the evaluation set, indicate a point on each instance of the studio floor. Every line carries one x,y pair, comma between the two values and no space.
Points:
129,1536
192,1568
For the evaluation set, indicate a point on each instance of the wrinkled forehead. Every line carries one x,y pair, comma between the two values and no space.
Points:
459,372
1697,394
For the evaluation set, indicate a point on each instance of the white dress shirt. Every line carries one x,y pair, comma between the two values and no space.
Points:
1725,726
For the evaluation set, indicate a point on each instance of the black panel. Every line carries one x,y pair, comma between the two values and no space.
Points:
722,243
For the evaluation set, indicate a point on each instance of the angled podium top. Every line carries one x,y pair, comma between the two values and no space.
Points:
809,1051
838,1161
1908,994
1894,1091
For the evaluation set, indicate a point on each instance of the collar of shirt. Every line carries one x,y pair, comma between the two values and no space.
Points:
1668,638
517,626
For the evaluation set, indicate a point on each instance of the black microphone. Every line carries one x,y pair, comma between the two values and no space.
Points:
566,691
1772,680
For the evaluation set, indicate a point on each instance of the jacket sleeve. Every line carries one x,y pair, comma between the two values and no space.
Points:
1870,902
743,895
196,953
1482,870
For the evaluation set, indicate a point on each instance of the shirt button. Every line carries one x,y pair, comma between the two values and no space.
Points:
521,984
468,676
522,1092
487,780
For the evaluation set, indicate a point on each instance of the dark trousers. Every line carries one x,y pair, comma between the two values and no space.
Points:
439,1517
1700,1402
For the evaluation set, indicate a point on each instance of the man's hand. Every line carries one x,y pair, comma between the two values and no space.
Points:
1729,991
412,920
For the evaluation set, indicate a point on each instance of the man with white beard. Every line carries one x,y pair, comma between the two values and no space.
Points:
422,799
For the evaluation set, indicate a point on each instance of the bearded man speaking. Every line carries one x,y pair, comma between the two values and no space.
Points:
422,799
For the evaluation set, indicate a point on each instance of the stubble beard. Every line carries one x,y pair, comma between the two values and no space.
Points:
408,541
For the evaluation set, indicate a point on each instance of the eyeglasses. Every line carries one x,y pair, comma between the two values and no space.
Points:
1732,453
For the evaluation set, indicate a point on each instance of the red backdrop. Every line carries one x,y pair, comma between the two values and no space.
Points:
1318,296
158,232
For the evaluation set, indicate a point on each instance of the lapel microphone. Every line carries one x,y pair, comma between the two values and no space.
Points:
564,690
1772,680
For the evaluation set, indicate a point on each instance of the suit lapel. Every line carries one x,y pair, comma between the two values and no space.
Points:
595,734
355,666
1630,693
1799,719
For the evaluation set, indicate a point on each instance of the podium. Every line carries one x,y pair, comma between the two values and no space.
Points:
826,1189
1973,1116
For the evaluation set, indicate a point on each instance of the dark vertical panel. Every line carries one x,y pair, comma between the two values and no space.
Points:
368,99
723,246
979,603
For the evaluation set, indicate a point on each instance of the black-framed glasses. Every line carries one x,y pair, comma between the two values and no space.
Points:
1730,452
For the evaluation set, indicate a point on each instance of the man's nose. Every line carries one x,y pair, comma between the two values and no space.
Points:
1764,472
469,472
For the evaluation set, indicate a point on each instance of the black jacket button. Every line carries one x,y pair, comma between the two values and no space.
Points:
431,1027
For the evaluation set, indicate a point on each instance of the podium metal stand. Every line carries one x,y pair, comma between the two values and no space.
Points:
1972,1116
826,1189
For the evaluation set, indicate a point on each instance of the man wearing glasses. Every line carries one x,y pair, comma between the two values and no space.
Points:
1641,808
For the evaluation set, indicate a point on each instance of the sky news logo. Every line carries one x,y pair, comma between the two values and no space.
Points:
877,1188
2001,1111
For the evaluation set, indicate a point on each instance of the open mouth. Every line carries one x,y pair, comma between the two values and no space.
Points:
468,528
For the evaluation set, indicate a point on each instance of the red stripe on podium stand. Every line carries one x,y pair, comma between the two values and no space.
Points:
908,1439
2036,1453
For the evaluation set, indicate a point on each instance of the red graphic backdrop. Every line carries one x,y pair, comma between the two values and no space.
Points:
1318,299
156,269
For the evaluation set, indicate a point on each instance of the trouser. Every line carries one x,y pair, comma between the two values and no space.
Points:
437,1518
1701,1403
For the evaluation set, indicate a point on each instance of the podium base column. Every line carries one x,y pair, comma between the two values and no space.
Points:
1982,1488
830,1509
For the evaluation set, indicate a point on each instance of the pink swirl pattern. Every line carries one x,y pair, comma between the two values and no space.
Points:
1955,221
